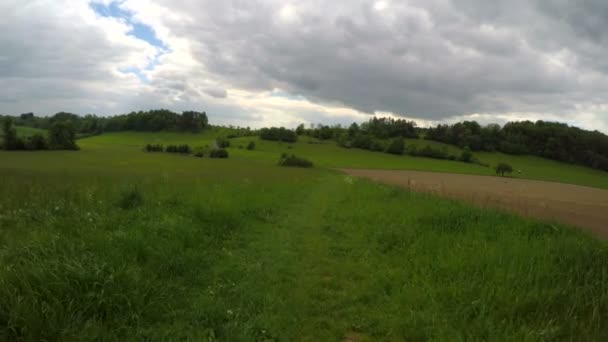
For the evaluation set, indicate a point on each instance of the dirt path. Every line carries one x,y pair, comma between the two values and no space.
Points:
580,206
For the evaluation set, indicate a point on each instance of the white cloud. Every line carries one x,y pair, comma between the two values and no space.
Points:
432,60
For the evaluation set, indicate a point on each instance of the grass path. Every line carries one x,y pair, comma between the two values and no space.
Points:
292,262
317,273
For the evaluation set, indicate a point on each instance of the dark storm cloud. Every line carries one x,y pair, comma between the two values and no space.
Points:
430,59
426,59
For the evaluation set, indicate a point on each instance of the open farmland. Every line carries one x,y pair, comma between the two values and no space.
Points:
113,243
580,206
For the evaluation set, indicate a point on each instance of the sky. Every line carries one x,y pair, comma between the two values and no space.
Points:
278,62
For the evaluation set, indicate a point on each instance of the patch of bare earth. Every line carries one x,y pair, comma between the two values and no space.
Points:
575,205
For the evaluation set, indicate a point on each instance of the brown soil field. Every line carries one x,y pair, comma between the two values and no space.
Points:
579,206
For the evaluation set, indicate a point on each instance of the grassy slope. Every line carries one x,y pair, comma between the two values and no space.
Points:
237,250
329,155
220,248
24,131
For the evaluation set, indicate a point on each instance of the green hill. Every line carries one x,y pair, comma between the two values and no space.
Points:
113,243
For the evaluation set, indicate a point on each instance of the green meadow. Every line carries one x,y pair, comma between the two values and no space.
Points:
112,243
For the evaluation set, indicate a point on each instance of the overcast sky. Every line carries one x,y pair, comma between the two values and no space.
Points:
273,62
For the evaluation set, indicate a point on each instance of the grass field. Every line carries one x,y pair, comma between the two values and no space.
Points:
329,155
111,243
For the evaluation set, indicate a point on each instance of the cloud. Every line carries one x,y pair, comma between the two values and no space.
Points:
432,60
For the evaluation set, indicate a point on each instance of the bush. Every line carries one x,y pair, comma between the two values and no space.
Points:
131,198
36,142
251,146
218,153
466,155
429,152
62,136
397,146
222,142
293,161
185,149
503,168
154,148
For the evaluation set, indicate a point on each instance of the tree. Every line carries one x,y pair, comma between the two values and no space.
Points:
503,168
11,141
466,155
397,146
62,136
300,130
192,121
36,142
251,146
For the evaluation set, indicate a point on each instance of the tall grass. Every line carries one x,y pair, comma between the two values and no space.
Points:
314,256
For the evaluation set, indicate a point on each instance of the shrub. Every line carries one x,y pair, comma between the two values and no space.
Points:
154,148
293,161
218,153
11,141
466,155
36,142
251,146
377,146
222,142
397,146
503,168
131,198
185,149
62,136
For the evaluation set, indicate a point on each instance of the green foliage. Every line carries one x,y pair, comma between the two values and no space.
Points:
222,142
154,148
35,142
430,152
183,148
218,153
503,168
545,139
466,155
293,161
397,146
300,130
251,146
192,121
62,136
278,134
11,141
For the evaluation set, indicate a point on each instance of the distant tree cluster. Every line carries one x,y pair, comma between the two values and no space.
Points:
145,121
186,149
61,136
278,134
364,134
544,139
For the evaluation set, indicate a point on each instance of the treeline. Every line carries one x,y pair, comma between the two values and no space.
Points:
61,136
144,121
362,136
278,134
550,140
